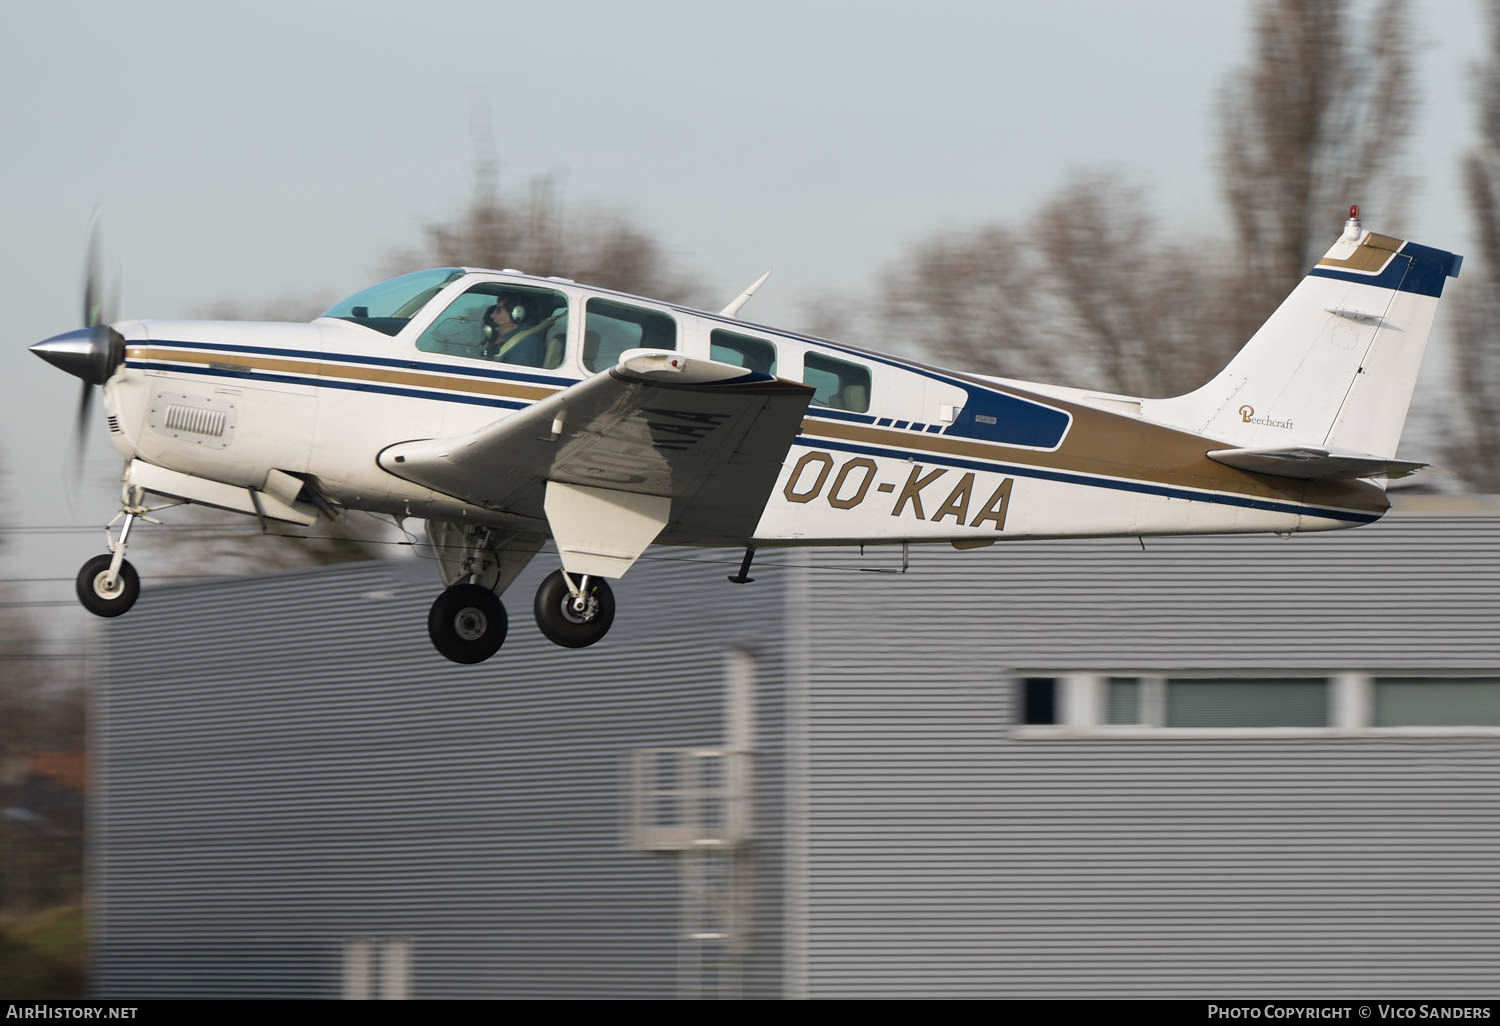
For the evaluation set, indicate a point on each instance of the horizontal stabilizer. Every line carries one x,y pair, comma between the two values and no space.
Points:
1311,462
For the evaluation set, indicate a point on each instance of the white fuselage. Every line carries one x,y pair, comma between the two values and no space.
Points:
919,455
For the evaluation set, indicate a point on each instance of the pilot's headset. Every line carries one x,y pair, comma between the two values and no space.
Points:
513,305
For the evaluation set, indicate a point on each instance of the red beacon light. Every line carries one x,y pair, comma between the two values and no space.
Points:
1353,230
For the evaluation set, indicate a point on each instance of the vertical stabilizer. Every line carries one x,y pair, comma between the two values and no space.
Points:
1336,364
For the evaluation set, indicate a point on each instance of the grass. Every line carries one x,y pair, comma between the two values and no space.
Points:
44,954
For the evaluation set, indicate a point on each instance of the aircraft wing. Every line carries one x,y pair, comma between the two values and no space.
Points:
1311,462
693,445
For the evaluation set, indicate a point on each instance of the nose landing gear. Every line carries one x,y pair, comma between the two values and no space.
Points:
107,588
574,615
108,585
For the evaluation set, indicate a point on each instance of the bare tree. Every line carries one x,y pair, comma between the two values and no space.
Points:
1473,449
1138,313
967,299
1088,293
604,247
1319,119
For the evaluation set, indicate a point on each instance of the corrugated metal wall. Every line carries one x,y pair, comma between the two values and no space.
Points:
286,766
947,856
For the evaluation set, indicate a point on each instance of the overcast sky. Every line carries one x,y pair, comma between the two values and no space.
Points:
248,152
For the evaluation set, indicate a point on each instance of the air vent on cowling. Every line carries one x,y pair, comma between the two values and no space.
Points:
114,424
200,419
194,421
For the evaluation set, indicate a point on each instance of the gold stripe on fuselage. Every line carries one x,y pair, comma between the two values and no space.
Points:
1098,443
1102,444
381,375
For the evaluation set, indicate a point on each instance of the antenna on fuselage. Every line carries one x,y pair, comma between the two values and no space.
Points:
740,300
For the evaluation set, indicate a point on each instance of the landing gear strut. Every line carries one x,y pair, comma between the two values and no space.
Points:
467,622
574,615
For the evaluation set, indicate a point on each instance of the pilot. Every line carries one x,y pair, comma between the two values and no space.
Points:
500,323
511,334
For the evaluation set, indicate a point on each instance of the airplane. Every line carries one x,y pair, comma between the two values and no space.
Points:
504,408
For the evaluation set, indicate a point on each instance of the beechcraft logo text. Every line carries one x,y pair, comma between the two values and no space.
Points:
1247,416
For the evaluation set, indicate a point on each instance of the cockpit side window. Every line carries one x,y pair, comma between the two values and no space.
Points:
743,351
515,324
612,328
837,384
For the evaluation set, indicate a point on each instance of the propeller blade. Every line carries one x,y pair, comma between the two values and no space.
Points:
93,286
80,427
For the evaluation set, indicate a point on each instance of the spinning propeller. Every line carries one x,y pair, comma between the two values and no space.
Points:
91,352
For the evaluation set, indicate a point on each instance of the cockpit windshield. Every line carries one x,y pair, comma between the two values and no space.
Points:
388,307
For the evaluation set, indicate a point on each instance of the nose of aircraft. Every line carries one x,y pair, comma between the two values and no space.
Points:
88,353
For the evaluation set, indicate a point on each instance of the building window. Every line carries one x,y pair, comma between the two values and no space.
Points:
1124,700
1154,705
1039,700
1246,702
377,968
1436,702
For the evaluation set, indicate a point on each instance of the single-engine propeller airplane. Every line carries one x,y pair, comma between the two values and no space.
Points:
505,408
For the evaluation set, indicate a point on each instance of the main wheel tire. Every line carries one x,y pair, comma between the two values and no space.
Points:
562,624
467,623
100,599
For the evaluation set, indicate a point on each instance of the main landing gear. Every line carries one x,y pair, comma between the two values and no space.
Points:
467,622
108,585
574,615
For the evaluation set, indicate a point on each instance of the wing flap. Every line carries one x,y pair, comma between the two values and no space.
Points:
709,436
1314,463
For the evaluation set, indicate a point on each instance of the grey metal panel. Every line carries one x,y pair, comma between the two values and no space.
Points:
1409,592
319,774
285,765
946,855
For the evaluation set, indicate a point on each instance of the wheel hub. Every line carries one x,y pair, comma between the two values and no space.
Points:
579,610
104,589
470,624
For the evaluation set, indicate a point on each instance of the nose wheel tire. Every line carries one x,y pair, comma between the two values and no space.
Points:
101,597
467,623
560,619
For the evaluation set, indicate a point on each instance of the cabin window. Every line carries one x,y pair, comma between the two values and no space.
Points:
513,324
837,385
612,328
743,351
